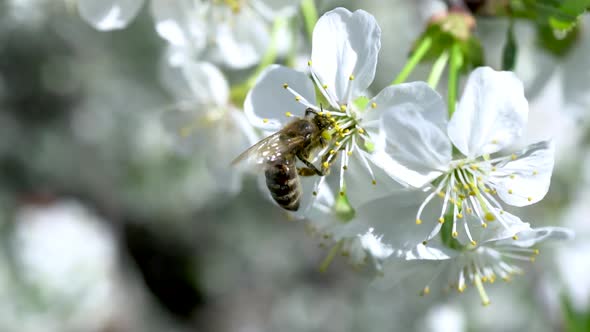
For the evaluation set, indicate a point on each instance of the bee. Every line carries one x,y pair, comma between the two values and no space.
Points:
278,154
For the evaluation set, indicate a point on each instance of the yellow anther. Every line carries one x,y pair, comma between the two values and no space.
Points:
349,153
473,243
536,251
289,114
455,234
461,289
479,178
351,77
510,191
373,105
265,120
535,172
515,237
513,156
494,169
337,143
332,152
530,199
309,62
501,212
459,215
485,303
512,176
486,156
328,114
297,98
532,259
325,86
343,108
441,220
418,221
484,225
494,192
490,216
487,190
326,164
342,193
441,194
465,186
494,141
425,291
473,167
492,279
374,182
484,279
361,131
285,85
346,131
469,210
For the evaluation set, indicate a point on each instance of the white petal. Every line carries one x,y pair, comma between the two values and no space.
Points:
411,131
268,101
373,245
243,40
496,230
181,23
415,95
198,82
531,237
109,14
394,217
526,179
491,114
345,44
273,8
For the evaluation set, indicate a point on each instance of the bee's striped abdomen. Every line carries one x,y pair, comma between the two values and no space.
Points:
283,183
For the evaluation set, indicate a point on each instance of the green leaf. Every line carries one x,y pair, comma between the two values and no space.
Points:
510,50
547,39
574,321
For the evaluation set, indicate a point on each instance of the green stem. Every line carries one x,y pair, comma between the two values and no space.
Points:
437,69
331,254
310,16
454,67
417,55
238,93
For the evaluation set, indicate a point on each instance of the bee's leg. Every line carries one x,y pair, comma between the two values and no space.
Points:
306,171
310,167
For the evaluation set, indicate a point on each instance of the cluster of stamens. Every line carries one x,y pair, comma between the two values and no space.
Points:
468,188
482,265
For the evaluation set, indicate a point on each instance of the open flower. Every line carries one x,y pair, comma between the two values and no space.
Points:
490,117
343,62
204,121
239,29
460,266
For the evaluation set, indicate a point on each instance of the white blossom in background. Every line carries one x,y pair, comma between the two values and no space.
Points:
469,185
66,259
235,32
205,122
344,55
445,318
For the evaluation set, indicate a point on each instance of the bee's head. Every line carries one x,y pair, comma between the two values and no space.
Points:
320,120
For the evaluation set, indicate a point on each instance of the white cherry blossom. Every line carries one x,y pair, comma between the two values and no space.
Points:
236,32
458,266
468,182
204,121
342,66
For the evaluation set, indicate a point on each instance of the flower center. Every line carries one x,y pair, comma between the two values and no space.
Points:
466,190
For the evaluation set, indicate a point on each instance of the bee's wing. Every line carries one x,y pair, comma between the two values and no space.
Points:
269,149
